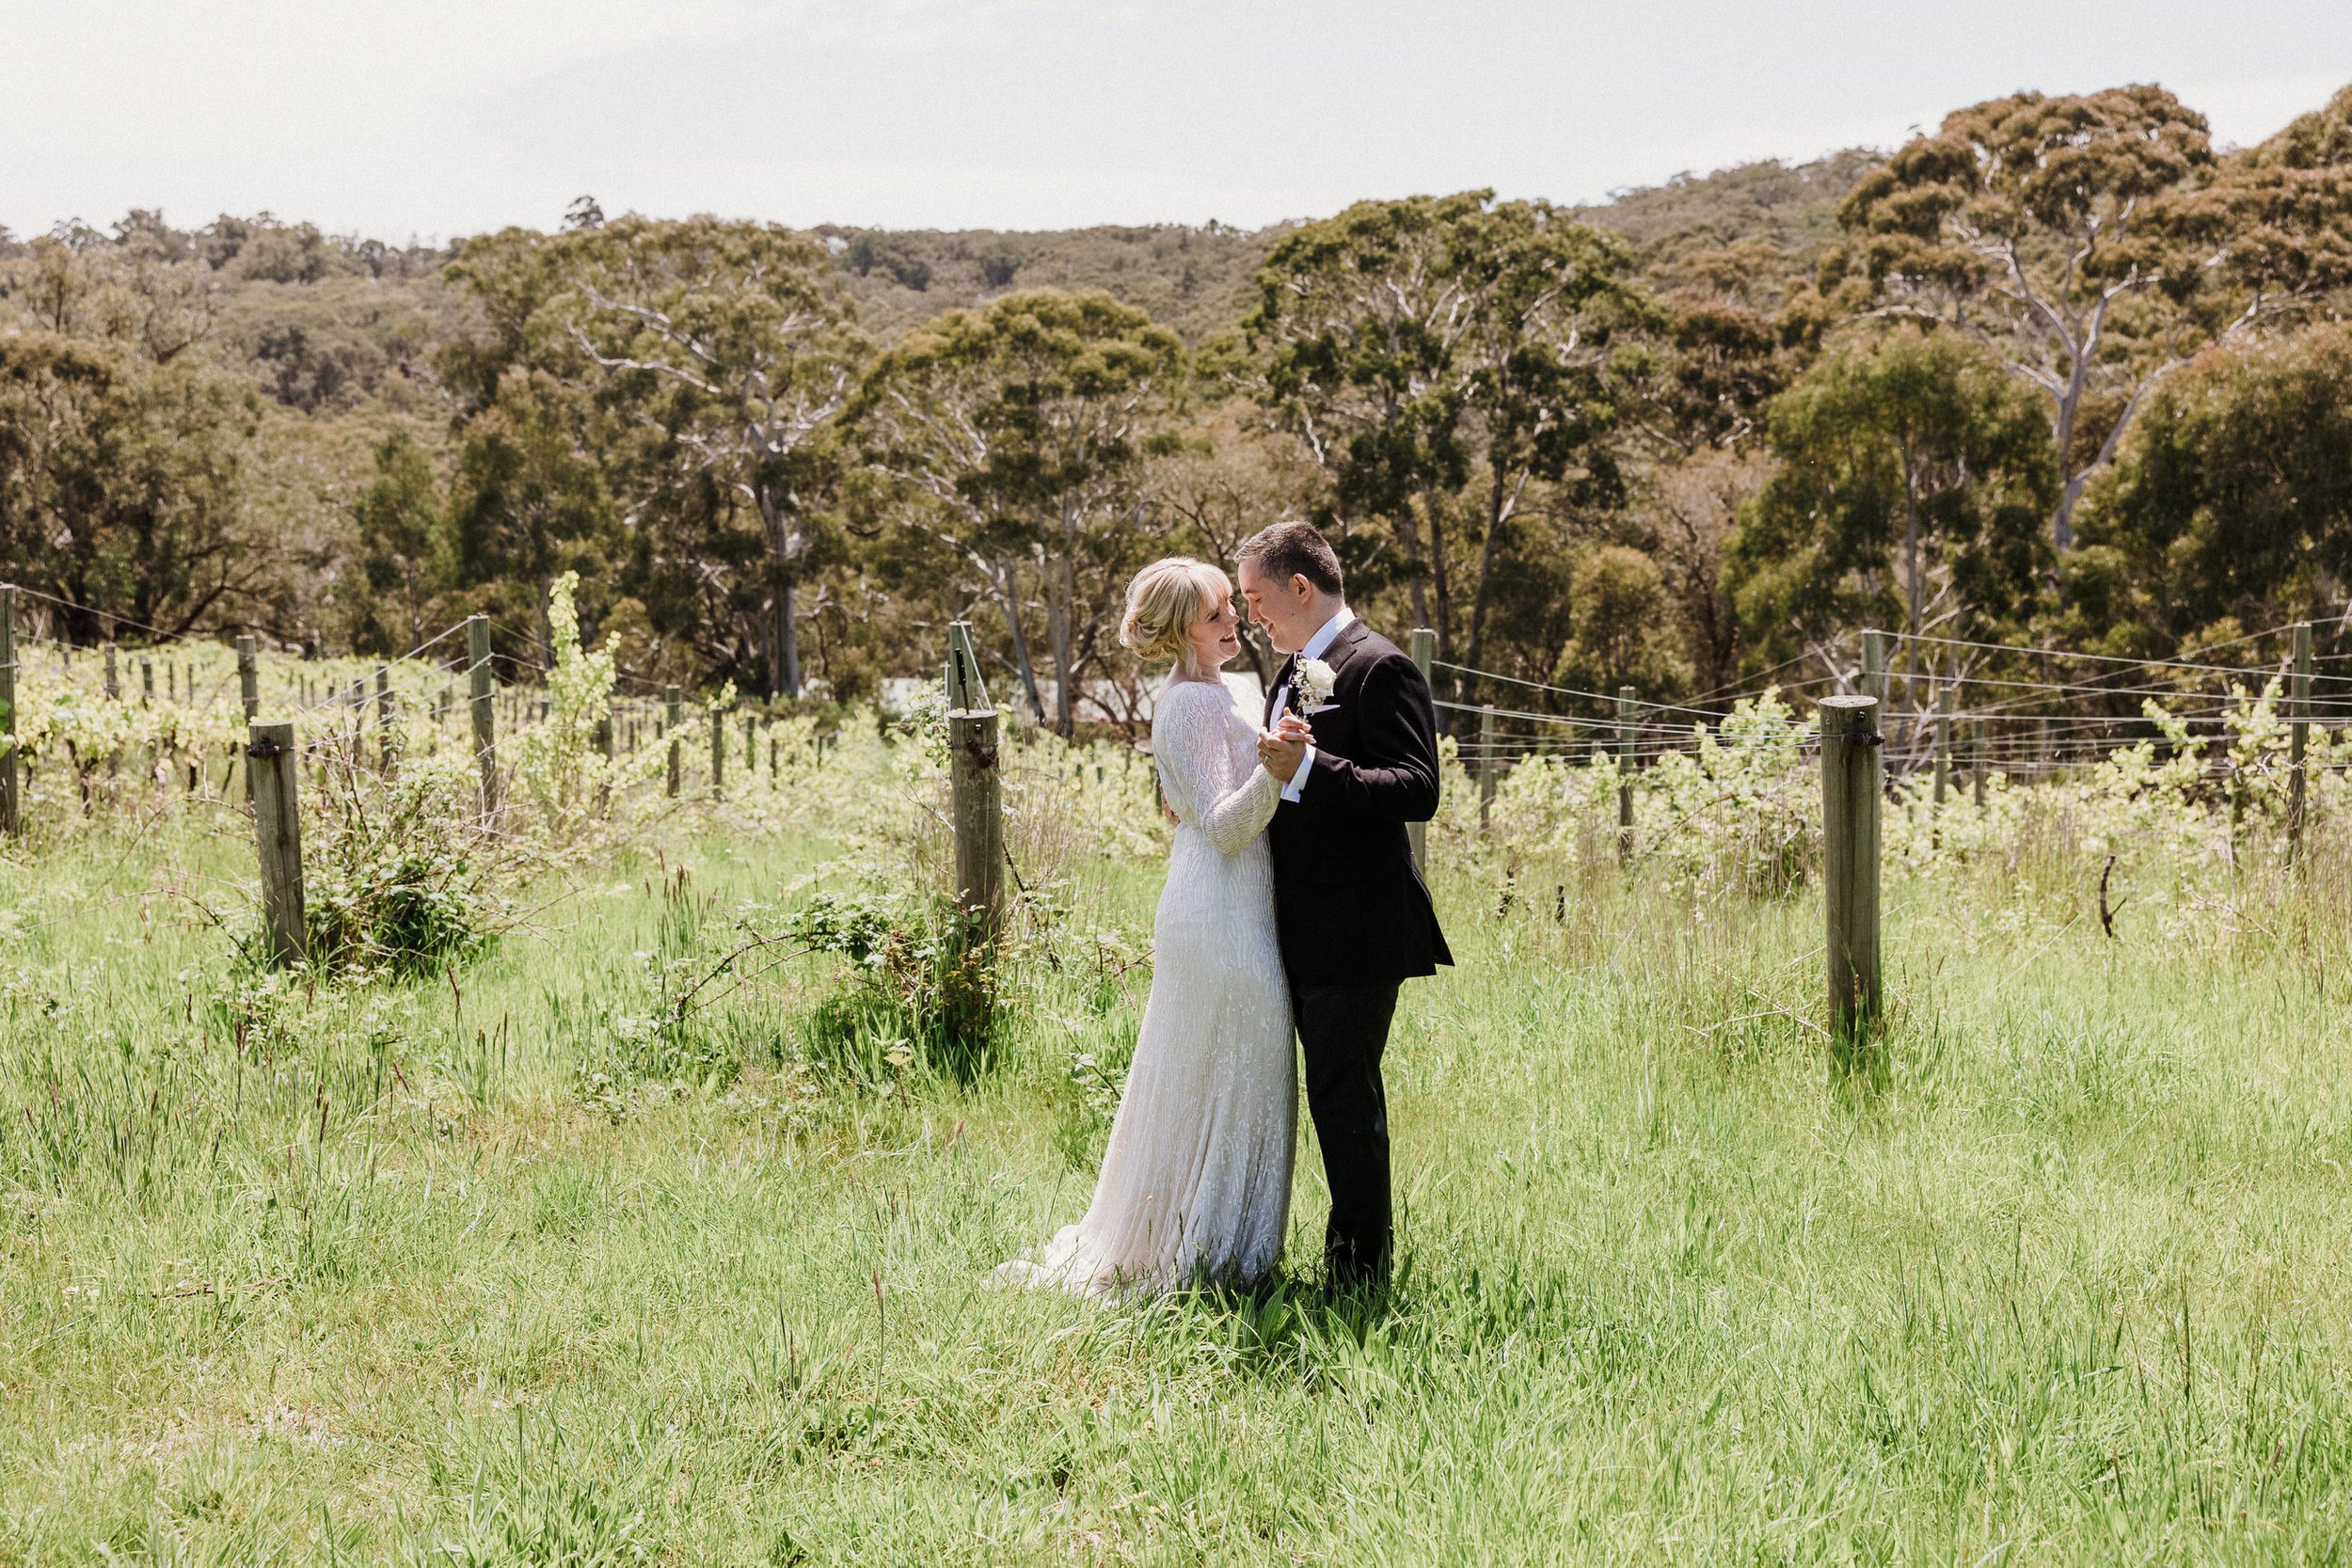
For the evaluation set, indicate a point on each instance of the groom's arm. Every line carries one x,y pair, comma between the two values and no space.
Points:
1395,776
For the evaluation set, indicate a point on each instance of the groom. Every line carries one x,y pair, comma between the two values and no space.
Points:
1353,915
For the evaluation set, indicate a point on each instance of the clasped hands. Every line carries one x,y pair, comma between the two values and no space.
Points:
1283,747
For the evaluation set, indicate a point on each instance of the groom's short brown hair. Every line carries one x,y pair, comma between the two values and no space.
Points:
1290,549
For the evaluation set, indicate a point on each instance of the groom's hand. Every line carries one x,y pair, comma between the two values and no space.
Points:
1284,748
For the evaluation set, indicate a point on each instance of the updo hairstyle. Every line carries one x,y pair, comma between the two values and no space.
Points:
1166,601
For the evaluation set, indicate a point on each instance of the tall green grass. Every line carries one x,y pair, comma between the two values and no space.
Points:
490,1268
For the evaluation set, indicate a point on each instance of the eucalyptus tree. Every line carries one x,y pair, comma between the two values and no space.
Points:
1426,345
731,343
121,484
2230,509
2094,242
1021,427
1914,478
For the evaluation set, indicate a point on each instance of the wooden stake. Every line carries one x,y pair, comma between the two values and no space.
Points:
2298,740
718,754
1485,765
1625,774
249,696
975,788
1943,741
1874,666
1851,783
387,754
677,760
11,820
483,700
278,827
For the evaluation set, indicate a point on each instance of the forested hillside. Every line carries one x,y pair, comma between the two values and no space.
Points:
2058,372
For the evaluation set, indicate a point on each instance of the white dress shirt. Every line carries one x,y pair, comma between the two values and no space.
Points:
1316,648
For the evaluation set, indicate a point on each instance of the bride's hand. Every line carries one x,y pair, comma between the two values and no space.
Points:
1284,749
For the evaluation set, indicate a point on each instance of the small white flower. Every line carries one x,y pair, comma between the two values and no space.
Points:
1315,681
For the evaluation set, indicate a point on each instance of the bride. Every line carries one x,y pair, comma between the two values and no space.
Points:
1196,1179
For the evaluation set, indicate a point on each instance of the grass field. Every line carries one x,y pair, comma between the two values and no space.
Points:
442,1272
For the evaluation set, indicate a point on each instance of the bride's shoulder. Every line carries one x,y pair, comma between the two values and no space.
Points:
1191,702
1182,696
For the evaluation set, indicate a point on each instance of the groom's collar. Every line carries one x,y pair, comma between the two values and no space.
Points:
1320,643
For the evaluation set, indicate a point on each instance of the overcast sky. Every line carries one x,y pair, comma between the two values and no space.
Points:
433,118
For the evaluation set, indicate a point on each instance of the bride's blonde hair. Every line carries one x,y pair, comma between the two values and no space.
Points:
1166,601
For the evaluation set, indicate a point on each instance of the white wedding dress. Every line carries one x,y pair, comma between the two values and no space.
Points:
1195,1179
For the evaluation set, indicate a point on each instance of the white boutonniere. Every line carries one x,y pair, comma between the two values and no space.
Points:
1315,681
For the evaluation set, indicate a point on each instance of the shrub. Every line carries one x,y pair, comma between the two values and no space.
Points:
395,882
917,980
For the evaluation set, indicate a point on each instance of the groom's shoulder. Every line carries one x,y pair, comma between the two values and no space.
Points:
1368,648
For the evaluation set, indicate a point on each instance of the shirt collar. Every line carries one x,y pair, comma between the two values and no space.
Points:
1328,633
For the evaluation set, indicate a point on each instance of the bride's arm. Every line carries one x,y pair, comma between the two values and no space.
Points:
1197,769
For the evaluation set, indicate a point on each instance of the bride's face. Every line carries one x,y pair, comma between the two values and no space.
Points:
1216,637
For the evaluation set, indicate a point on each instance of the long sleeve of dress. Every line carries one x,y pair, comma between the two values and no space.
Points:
1200,773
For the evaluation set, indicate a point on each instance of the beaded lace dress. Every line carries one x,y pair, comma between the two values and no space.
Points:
1196,1179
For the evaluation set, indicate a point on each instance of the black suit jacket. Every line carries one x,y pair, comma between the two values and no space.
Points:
1349,905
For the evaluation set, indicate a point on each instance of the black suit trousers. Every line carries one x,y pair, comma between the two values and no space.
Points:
1342,1031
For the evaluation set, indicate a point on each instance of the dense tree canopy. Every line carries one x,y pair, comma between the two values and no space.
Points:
1018,431
1913,478
2233,508
2059,371
1441,356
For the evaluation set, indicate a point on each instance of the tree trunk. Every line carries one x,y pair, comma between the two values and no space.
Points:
1059,610
784,659
1443,591
2062,526
784,630
1911,536
1000,587
1416,583
1500,510
2069,406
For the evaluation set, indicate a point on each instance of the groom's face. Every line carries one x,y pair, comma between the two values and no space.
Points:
1282,608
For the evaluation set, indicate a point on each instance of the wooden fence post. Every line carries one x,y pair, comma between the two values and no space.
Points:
113,688
147,681
1485,765
1424,644
387,753
278,827
1943,741
482,699
1850,784
975,788
2298,740
677,760
1977,768
718,754
1625,774
248,697
11,821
